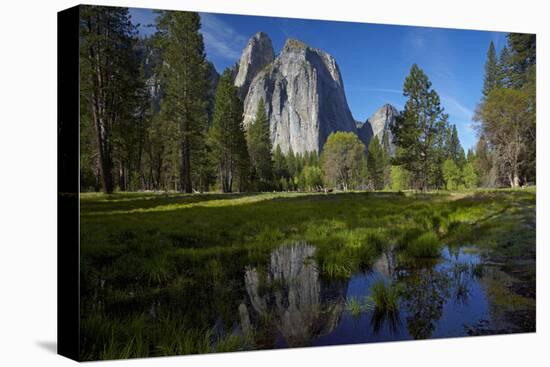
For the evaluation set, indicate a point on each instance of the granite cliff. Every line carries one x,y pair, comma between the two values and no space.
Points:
302,90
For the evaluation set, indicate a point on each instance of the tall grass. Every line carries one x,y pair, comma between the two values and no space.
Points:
385,299
427,245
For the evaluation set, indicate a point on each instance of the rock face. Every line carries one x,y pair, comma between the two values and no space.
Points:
364,132
257,54
303,94
380,123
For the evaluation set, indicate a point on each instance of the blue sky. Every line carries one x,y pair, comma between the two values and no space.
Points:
374,59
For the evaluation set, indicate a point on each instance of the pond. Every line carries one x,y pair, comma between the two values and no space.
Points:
290,304
281,299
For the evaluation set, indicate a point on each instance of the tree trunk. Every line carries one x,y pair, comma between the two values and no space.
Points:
121,177
105,160
99,118
514,180
185,174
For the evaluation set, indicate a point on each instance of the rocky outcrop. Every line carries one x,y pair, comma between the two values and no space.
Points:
380,123
364,132
256,55
303,94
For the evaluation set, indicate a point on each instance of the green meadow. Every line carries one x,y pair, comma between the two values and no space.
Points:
159,271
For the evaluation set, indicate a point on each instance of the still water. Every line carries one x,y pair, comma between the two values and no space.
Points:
289,304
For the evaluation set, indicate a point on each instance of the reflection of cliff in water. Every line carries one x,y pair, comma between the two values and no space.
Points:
289,300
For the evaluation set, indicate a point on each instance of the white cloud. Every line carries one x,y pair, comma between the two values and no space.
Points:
221,39
382,90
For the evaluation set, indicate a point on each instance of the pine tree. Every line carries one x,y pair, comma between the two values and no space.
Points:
280,167
523,57
227,136
492,78
417,130
376,162
185,85
387,161
454,148
504,68
259,147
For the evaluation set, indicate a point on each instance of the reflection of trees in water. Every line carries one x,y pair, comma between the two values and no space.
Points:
379,319
289,299
427,288
425,293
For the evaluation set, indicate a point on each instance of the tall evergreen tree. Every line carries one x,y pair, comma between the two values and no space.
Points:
454,148
109,71
523,57
417,129
227,135
280,166
376,162
491,79
504,68
259,147
387,160
185,85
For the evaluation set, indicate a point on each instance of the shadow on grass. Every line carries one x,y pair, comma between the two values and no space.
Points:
97,202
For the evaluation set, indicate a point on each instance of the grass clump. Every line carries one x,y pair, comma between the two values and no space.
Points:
385,297
424,246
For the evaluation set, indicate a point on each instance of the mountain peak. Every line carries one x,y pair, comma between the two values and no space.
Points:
293,44
256,55
381,122
388,107
304,98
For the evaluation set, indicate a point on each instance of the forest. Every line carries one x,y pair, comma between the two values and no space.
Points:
153,118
